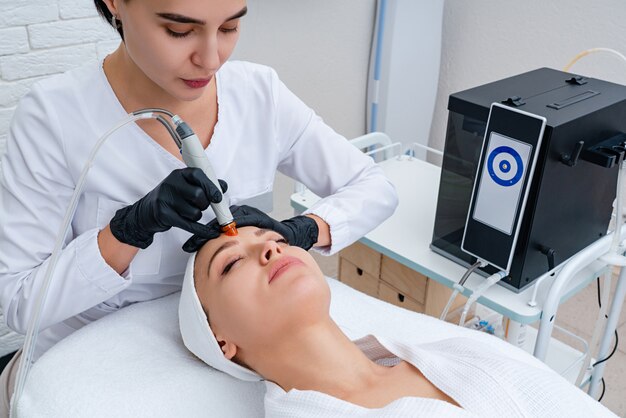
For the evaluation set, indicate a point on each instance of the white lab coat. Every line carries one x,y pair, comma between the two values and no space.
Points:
262,127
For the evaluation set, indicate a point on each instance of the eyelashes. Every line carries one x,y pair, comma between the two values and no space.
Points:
229,30
179,35
232,263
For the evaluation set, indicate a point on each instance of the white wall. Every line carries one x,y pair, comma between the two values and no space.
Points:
484,41
320,49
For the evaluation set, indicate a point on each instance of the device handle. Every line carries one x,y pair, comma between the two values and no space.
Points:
194,156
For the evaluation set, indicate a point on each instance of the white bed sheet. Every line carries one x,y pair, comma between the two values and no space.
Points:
133,363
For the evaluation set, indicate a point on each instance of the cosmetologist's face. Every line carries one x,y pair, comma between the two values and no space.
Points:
180,44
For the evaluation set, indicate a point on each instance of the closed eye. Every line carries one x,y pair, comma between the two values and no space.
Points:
230,265
229,30
177,34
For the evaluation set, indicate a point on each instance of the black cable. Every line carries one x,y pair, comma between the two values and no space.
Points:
612,352
614,347
606,316
603,390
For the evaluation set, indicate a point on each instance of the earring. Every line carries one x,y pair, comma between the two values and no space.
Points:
115,23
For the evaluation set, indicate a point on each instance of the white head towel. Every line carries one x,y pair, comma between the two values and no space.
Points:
197,334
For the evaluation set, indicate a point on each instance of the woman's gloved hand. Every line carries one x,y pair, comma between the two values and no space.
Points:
177,201
300,231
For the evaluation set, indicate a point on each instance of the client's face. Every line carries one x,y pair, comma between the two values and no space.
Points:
255,287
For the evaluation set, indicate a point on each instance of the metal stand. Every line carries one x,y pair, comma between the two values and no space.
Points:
590,254
612,322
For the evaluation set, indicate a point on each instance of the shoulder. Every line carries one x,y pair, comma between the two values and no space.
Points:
60,93
248,75
76,79
247,69
60,107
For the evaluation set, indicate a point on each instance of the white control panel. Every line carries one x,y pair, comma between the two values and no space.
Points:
500,188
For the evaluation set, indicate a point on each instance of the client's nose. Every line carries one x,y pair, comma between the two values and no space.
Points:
270,250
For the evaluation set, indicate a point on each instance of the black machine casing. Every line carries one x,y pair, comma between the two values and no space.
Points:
571,196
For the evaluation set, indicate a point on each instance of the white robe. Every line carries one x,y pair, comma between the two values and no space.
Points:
482,379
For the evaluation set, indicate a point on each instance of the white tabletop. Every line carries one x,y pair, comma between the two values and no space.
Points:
407,234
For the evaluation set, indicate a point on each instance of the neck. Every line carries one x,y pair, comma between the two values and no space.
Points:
320,358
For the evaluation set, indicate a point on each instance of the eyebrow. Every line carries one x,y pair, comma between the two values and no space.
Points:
261,232
224,246
185,19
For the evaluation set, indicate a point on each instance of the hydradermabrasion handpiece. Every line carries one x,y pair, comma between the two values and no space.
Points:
194,156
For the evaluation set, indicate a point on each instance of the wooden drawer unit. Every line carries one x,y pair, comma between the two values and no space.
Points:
363,257
437,296
379,276
357,278
408,282
393,296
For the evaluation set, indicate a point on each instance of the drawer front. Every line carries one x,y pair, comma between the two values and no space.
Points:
363,257
358,279
395,297
437,296
409,282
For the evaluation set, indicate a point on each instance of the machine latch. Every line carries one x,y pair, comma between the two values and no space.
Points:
514,101
579,80
572,159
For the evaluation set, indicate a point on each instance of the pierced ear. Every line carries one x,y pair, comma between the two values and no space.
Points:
228,348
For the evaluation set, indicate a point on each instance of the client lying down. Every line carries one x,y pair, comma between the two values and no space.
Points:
257,308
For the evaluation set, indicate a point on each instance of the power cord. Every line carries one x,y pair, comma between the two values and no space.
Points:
614,347
458,287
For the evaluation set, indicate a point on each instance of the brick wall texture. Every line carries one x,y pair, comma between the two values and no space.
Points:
39,38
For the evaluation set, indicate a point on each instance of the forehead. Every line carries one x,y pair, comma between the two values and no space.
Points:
205,7
245,234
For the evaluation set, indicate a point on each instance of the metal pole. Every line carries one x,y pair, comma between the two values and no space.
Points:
611,325
551,304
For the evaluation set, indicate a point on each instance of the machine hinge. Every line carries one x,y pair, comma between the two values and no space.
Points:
514,101
579,80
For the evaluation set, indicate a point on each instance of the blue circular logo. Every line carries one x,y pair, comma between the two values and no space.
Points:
505,158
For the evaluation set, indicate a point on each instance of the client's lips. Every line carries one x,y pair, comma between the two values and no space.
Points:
282,265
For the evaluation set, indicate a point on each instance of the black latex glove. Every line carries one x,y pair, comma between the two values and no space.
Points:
177,201
300,231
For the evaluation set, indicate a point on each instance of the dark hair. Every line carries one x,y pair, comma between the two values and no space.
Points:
104,11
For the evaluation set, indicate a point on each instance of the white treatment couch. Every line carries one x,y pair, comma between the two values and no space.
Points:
132,363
